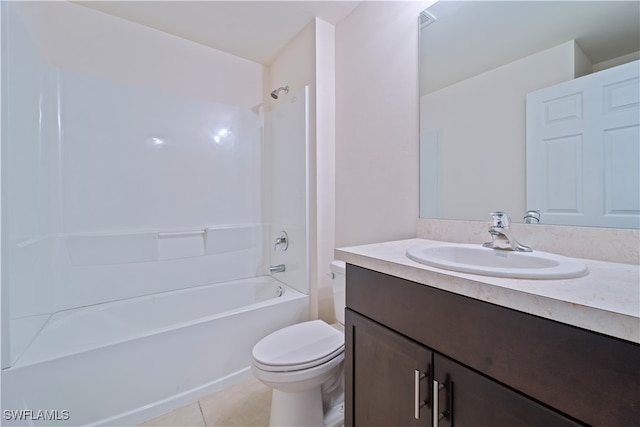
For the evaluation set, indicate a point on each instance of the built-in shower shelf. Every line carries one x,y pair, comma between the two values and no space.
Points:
135,247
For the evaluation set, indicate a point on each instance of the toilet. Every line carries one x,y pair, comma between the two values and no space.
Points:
302,363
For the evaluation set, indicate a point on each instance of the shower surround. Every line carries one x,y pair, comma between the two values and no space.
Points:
127,201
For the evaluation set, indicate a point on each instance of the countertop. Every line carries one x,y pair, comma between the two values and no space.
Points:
607,300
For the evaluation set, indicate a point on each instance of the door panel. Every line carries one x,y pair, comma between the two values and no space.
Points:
383,381
468,399
583,149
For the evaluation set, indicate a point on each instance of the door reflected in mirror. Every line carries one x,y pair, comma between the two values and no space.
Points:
478,62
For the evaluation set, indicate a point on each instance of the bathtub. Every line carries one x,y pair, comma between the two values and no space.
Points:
121,362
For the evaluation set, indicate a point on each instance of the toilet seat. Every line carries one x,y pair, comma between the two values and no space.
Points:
297,347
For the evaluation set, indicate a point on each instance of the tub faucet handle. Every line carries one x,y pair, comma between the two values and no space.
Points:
282,240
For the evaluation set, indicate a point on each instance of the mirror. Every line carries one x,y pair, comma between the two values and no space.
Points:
478,62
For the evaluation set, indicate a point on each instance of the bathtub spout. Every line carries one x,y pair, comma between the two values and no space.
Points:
280,268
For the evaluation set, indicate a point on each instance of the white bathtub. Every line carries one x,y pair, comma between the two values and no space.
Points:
119,363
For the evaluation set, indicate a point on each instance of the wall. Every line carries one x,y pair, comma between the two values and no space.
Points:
325,164
91,42
30,188
377,123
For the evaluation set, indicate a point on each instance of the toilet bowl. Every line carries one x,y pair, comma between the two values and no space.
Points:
302,363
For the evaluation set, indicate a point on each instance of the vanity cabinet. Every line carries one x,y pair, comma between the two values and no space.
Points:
394,381
492,366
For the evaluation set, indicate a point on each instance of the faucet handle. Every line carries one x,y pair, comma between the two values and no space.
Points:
532,217
500,219
282,240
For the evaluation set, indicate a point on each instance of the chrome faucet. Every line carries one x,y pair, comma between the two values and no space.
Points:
501,235
280,268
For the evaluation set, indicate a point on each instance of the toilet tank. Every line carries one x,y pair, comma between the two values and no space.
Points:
338,268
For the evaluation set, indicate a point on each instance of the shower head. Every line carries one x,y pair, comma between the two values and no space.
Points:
275,93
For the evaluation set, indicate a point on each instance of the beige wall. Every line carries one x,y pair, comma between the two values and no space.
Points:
377,123
325,160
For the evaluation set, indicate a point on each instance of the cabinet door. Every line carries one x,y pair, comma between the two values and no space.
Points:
388,379
466,398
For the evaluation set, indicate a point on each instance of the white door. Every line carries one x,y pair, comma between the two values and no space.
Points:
583,150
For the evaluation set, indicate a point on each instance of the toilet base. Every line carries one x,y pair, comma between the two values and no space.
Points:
297,409
334,417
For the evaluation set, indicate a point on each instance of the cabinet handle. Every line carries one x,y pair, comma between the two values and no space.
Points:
436,402
446,413
418,404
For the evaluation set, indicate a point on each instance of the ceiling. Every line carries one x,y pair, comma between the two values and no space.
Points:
255,30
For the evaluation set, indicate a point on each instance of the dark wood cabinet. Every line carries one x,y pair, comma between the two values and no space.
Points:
468,399
420,356
391,376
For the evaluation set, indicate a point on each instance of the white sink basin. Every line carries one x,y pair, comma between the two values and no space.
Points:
477,259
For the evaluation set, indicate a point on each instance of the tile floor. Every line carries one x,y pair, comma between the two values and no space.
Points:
245,404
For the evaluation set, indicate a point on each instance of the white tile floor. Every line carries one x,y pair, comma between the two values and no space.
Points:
245,404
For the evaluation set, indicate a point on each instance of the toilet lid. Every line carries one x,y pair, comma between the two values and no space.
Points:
299,346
